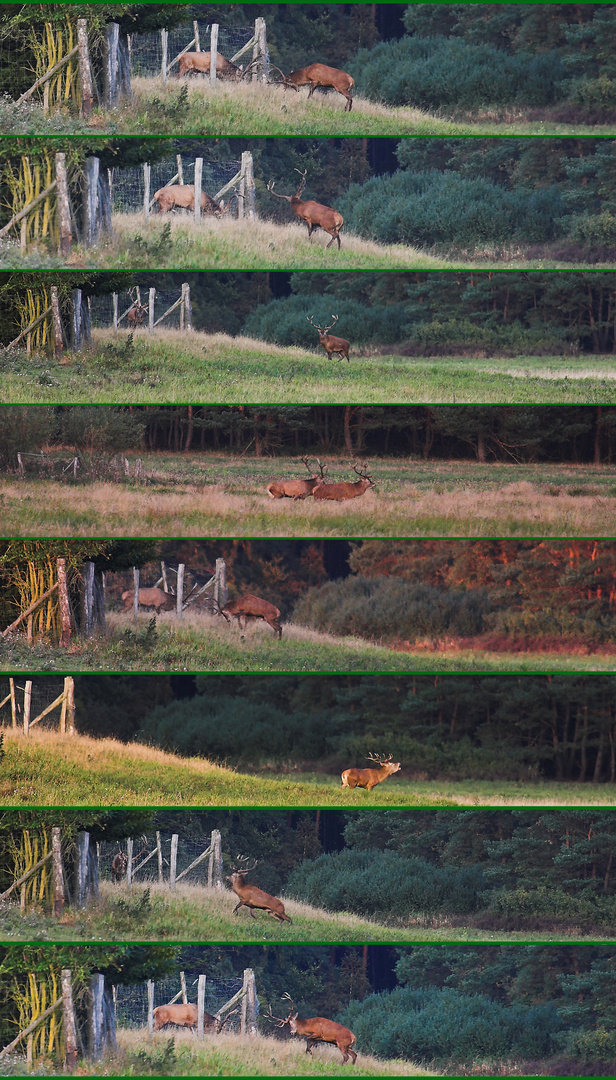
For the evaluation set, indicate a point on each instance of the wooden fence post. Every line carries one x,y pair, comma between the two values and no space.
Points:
65,611
135,591
260,51
246,206
200,1005
90,200
173,860
150,986
57,872
214,869
248,1023
70,1032
115,312
110,70
85,74
58,342
13,703
198,180
69,690
64,209
77,301
213,53
180,590
197,44
183,985
88,598
147,172
27,705
159,853
151,299
129,864
83,848
220,584
164,38
95,1017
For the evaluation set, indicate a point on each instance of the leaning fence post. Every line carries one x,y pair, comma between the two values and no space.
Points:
85,74
180,591
58,343
64,209
150,986
70,1033
83,847
151,298
173,860
200,1005
147,170
164,39
213,53
198,178
57,872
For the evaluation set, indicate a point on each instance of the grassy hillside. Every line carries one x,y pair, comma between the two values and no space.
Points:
200,643
219,495
177,242
193,913
48,770
176,1053
253,110
172,367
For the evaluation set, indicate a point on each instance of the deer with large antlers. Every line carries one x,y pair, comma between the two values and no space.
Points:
346,489
333,345
252,897
252,607
369,778
323,77
297,489
315,215
137,311
317,1029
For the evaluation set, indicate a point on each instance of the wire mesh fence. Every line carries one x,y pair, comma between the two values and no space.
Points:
128,185
131,1002
146,50
102,309
188,851
43,692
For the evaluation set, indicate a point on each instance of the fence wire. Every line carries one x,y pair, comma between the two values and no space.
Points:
101,309
188,850
128,185
132,1001
146,50
44,691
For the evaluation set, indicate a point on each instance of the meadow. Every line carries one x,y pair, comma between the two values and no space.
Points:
221,495
45,769
191,107
172,367
154,912
178,242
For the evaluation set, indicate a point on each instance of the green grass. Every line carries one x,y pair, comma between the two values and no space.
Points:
249,111
45,769
170,367
177,242
199,643
194,913
223,495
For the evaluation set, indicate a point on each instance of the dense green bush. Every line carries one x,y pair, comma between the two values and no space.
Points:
440,72
430,1023
594,626
554,903
390,607
285,321
491,336
383,884
435,207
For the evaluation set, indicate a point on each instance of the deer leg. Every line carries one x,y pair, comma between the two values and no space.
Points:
309,1044
353,1055
237,907
312,88
349,103
311,228
252,913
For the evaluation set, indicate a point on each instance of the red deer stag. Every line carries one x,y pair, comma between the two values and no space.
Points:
182,197
137,312
369,778
297,489
150,598
319,75
118,867
315,215
347,489
318,1029
252,897
252,607
332,345
198,63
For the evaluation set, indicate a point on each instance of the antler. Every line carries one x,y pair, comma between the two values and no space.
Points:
302,183
362,472
243,869
221,1023
270,188
322,468
323,329
380,760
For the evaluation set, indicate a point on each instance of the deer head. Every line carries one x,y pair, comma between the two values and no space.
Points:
313,475
323,329
279,1021
242,868
363,474
289,198
378,760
